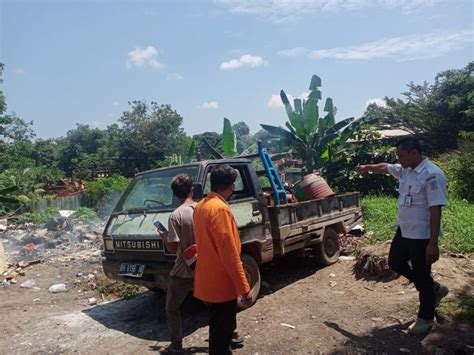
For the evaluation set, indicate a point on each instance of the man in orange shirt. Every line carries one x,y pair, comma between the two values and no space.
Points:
219,275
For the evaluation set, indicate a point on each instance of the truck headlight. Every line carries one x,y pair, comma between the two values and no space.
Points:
108,245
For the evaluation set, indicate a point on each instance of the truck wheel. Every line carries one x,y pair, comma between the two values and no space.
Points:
252,272
328,251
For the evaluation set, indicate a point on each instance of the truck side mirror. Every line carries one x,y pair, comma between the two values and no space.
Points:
197,191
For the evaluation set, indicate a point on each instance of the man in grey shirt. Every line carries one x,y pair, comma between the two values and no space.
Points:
180,235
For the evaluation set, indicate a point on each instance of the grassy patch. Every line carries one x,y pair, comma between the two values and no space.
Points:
458,309
380,214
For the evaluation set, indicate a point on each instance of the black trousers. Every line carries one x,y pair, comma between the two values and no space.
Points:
401,251
222,323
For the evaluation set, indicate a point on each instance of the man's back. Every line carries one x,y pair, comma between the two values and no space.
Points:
219,275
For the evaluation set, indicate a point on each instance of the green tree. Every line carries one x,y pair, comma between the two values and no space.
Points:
436,112
150,133
78,141
244,138
45,152
213,138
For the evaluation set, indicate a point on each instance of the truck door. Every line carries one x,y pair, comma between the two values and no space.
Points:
247,206
251,217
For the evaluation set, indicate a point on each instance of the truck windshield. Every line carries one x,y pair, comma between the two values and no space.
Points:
152,191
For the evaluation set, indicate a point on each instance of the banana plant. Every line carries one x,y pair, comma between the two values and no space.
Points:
191,153
310,136
229,142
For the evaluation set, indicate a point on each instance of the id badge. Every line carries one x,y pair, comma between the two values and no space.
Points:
407,201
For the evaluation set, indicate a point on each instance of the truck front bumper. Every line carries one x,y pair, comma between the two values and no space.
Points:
154,276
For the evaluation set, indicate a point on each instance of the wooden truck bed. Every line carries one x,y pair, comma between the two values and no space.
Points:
301,224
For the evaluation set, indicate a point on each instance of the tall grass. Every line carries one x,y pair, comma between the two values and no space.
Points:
380,215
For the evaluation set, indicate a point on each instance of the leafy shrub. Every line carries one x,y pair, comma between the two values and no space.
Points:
85,214
37,217
32,181
459,169
105,192
365,148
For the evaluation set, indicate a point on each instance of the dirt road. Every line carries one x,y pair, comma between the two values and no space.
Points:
303,310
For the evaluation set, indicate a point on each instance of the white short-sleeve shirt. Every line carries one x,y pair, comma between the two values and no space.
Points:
419,189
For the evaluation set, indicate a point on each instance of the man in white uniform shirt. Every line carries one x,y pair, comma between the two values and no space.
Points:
422,193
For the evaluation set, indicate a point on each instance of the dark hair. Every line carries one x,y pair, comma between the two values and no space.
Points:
182,185
222,177
409,144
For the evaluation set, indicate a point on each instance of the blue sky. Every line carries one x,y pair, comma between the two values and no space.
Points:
71,62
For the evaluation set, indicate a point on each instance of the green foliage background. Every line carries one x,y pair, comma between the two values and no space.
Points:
380,215
150,135
105,192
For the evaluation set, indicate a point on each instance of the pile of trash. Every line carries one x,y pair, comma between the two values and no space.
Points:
31,242
22,246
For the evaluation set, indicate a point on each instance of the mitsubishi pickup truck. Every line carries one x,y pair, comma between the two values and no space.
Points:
134,253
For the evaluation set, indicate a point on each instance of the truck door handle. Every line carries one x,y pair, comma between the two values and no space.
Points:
256,213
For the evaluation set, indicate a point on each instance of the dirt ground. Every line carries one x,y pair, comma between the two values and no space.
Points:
303,310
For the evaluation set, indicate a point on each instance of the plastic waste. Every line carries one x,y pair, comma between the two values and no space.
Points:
30,283
5,283
57,288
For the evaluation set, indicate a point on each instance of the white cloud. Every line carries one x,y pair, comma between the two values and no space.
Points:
294,52
291,10
404,48
115,103
142,57
174,76
275,100
208,105
19,71
246,60
378,101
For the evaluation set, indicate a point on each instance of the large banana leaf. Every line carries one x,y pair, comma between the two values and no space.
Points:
286,102
8,190
229,140
191,153
315,94
298,106
290,138
315,82
330,109
8,199
213,150
296,119
325,140
5,199
341,124
311,115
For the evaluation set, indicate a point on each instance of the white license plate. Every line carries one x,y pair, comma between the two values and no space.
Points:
132,270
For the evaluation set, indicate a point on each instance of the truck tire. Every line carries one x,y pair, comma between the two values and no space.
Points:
328,251
252,272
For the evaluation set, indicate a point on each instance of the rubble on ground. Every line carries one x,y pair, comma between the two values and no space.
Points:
59,237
